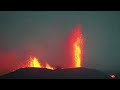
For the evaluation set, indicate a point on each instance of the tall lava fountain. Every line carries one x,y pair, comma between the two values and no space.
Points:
76,47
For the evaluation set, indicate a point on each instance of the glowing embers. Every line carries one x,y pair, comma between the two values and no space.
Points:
76,47
113,76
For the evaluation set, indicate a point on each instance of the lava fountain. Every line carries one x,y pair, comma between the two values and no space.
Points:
48,66
76,47
34,63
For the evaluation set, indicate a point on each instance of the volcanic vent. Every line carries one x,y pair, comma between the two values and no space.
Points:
35,69
76,47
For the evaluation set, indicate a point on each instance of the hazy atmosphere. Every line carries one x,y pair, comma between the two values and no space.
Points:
46,33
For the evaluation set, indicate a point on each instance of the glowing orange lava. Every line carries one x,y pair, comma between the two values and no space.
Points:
76,47
76,52
48,66
34,63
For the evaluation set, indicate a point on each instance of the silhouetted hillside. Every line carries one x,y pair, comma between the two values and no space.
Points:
43,73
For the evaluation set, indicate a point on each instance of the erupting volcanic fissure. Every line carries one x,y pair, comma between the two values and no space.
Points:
34,62
76,47
48,66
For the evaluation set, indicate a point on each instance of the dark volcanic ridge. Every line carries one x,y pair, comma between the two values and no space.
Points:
43,73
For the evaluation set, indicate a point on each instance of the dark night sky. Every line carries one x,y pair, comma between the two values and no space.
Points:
46,33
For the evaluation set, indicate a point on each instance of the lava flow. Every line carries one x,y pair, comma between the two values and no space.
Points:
76,47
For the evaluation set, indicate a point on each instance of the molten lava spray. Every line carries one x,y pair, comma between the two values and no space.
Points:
34,63
76,52
48,66
76,47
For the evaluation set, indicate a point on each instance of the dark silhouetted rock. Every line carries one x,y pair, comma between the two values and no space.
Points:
43,73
